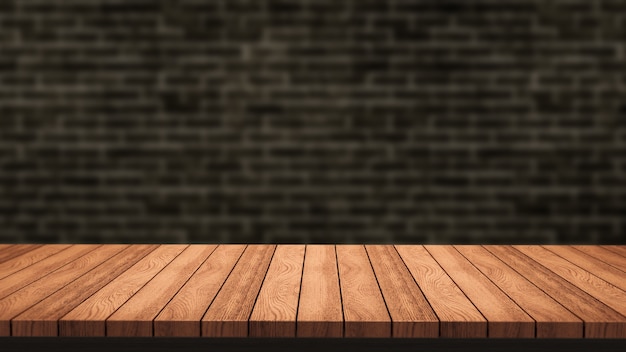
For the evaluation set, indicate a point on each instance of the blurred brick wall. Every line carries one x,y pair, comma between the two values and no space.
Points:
485,121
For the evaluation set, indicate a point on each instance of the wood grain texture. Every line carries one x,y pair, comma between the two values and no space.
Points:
18,263
364,310
229,313
621,250
553,320
599,268
314,291
459,318
182,315
42,268
88,318
600,321
506,319
42,318
410,313
605,255
26,297
11,251
135,317
603,291
274,314
319,311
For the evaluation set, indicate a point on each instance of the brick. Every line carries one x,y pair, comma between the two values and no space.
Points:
312,121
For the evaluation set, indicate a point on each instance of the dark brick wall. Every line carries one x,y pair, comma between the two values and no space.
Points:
435,121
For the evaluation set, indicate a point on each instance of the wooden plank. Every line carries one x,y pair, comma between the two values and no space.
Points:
553,320
319,310
349,290
88,318
411,315
182,315
42,268
274,314
458,316
12,251
621,250
229,313
135,317
600,321
603,291
18,263
599,268
505,318
30,295
604,255
42,318
364,310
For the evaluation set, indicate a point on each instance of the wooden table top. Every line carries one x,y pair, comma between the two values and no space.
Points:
313,291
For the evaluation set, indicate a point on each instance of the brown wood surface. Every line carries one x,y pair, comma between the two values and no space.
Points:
621,250
600,321
4,247
365,312
313,291
604,255
274,313
506,319
229,313
319,311
603,291
88,318
410,312
595,266
135,317
182,315
459,317
11,251
26,297
23,261
553,320
42,268
42,318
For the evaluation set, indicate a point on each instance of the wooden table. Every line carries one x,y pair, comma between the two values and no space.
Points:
313,291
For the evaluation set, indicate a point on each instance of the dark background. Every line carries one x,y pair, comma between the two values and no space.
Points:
317,121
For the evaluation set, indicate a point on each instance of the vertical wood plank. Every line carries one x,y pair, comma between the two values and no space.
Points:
505,318
182,315
600,321
28,296
553,320
411,315
364,309
316,291
88,318
42,318
319,310
274,314
229,313
459,318
135,317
